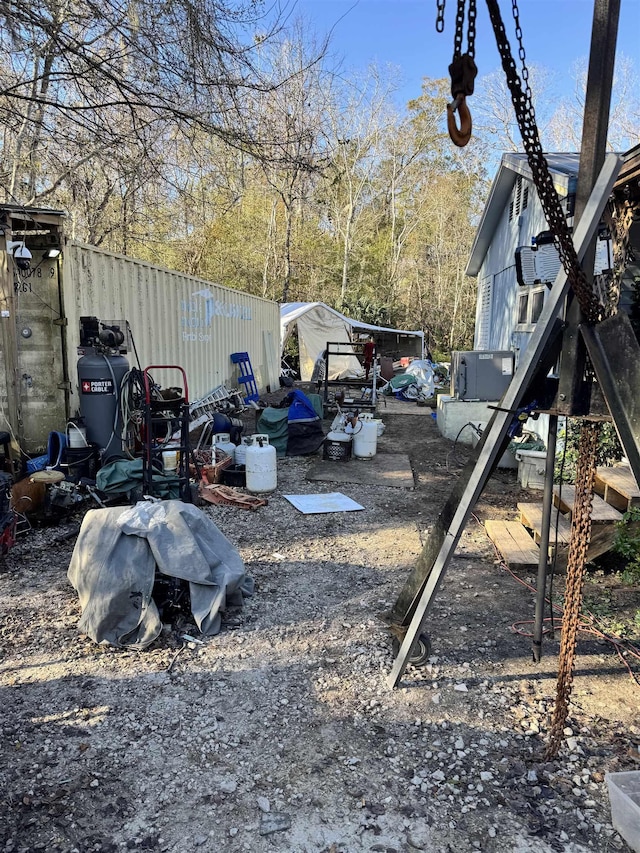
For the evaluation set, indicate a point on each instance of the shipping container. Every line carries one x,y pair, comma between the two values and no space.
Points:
173,319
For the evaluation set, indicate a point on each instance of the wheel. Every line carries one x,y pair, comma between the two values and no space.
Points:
420,653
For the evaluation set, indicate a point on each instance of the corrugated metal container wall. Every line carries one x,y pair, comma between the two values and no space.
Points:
174,318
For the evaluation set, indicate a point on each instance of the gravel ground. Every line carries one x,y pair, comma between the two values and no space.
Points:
280,733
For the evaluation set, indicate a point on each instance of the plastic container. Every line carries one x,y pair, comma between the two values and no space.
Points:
365,437
55,448
261,465
222,441
234,475
170,460
76,435
337,446
380,426
39,463
624,796
80,462
531,465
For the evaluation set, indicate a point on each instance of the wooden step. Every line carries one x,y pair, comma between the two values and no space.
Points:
513,542
564,497
531,517
618,487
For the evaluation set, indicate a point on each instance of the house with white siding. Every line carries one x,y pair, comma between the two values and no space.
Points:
513,223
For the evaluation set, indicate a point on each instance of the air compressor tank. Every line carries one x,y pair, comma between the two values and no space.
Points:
99,380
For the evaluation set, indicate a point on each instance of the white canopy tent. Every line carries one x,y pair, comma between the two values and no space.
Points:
317,324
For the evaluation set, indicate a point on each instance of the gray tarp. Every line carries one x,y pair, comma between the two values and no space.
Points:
115,559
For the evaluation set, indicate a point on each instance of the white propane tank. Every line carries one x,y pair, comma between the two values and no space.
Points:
222,441
260,465
241,451
365,437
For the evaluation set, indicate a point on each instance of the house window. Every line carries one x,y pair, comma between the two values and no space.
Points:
523,308
529,307
537,304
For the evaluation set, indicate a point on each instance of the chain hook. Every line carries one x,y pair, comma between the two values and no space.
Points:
459,136
463,71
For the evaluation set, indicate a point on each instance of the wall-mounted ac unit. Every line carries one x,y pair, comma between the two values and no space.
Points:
481,374
537,264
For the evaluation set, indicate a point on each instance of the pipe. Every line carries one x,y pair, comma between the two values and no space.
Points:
543,561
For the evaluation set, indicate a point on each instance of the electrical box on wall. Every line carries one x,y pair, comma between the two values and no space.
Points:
481,374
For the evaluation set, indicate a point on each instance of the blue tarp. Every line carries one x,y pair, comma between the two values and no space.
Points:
300,408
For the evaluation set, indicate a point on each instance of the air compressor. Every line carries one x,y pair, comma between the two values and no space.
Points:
101,369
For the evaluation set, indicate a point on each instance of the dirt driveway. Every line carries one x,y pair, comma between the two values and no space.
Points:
280,733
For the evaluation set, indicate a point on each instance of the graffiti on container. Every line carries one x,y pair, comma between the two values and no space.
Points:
198,314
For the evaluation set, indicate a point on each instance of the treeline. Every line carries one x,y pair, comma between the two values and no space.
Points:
204,137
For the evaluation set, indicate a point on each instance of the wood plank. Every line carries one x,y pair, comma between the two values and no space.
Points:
514,544
531,516
602,538
618,486
564,497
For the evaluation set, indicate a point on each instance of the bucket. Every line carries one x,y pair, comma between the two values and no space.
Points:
365,437
169,460
76,435
337,447
80,462
261,466
39,463
234,475
55,447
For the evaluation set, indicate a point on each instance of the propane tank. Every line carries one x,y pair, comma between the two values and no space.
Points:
241,451
222,441
99,379
260,464
365,437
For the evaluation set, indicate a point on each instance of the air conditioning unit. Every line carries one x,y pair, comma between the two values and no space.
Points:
538,264
481,374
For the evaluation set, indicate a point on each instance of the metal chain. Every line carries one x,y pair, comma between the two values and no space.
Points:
526,118
580,538
471,31
440,4
457,38
618,218
471,27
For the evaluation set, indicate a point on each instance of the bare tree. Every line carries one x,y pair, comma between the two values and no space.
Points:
285,124
83,79
357,116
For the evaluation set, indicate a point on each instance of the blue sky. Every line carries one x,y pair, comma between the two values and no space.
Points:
402,33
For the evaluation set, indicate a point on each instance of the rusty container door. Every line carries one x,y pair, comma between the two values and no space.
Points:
40,352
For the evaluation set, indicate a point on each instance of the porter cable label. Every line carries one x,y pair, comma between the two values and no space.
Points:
97,386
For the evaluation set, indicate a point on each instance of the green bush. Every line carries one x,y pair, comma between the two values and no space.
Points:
627,544
609,450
